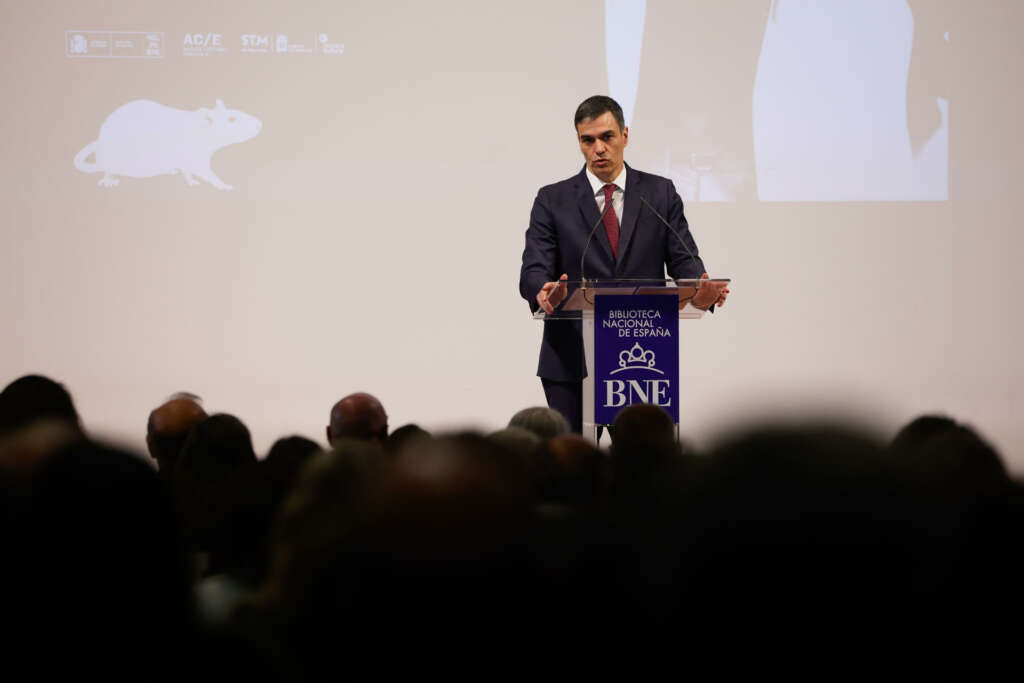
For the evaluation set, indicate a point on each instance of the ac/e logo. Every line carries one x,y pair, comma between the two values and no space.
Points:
202,40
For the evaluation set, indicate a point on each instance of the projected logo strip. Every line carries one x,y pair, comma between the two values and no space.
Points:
91,44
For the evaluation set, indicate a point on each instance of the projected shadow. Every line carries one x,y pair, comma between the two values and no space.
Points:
692,120
785,100
830,105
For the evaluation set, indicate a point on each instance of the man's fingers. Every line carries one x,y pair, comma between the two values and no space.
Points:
544,294
551,290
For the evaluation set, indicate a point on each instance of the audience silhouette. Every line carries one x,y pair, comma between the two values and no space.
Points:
263,568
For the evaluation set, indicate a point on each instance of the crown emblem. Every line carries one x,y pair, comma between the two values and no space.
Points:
636,358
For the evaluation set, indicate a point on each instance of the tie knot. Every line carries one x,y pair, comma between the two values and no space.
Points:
608,190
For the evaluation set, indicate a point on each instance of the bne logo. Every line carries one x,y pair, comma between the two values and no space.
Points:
202,40
252,40
623,392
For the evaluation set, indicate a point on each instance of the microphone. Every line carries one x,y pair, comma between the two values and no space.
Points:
679,237
586,248
675,232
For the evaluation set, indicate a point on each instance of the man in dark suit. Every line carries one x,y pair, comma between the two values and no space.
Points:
632,243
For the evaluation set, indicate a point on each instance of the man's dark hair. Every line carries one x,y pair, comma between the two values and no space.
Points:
293,448
34,397
949,456
405,435
518,440
217,453
569,471
643,431
920,430
595,106
215,447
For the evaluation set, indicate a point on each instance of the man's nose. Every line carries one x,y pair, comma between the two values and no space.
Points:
599,148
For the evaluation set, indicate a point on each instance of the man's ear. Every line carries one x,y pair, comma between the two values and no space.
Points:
328,430
625,136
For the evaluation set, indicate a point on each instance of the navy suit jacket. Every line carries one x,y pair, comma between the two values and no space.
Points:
560,222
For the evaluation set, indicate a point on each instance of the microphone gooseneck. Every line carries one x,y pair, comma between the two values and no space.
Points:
674,232
586,248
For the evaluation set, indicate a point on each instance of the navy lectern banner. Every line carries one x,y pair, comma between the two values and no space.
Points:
636,353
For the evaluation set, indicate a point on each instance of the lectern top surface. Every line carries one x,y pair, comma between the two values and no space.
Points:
579,294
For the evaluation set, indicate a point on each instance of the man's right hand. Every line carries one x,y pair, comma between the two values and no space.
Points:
552,293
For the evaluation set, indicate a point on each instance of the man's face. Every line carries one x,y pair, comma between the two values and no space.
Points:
602,141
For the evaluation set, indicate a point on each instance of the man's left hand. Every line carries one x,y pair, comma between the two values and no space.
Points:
710,294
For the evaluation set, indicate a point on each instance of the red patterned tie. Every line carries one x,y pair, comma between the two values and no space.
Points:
611,221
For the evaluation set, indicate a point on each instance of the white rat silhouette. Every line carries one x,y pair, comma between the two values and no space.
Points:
143,139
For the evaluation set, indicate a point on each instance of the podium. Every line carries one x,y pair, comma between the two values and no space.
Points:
630,342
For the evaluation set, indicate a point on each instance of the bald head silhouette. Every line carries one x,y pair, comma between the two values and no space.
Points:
168,426
358,416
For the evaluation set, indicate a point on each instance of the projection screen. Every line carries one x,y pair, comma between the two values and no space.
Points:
273,204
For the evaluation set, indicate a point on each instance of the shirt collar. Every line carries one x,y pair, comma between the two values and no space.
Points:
596,183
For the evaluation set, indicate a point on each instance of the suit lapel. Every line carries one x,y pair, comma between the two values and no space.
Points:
630,211
588,208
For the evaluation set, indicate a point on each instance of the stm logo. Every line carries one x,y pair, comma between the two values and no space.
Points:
256,42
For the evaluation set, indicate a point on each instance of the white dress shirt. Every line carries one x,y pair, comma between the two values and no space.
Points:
618,196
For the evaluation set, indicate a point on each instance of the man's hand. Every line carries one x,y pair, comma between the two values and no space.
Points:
552,293
710,294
